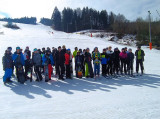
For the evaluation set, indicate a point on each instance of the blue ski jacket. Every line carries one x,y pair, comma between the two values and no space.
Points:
15,59
46,59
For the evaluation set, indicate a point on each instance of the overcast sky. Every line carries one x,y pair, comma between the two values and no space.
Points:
44,8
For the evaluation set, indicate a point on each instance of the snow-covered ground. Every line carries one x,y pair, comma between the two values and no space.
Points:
122,98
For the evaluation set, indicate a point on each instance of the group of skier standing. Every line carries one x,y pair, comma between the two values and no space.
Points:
112,63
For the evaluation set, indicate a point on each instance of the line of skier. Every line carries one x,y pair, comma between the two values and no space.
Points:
112,63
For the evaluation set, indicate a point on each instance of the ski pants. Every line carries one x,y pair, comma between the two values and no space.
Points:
26,70
50,70
139,62
7,74
109,68
60,70
38,72
96,69
89,69
130,67
104,68
116,67
68,71
123,66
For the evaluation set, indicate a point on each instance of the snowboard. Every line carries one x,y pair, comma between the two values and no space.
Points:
21,77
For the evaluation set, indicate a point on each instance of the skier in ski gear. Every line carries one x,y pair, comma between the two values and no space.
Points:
130,57
96,61
123,59
18,59
60,59
88,64
48,62
104,61
78,63
110,62
68,61
83,63
37,62
116,61
7,66
28,63
139,59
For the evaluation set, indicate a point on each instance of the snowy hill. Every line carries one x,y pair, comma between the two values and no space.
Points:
121,98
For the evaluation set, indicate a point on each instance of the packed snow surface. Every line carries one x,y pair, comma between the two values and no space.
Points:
121,98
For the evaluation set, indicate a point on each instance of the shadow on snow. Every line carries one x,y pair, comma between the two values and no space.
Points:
84,85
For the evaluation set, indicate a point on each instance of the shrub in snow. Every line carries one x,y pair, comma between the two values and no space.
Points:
11,25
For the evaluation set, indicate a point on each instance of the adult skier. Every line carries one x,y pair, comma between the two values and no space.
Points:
60,59
18,59
37,62
139,59
110,54
88,64
7,66
116,61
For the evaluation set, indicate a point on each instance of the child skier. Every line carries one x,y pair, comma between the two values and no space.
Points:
104,61
130,57
78,64
7,66
123,58
68,61
96,61
48,62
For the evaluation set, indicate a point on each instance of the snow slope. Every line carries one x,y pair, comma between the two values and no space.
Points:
122,98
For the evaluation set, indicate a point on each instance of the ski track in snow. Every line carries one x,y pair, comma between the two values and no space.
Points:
122,98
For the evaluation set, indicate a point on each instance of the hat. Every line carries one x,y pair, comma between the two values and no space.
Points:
68,50
130,49
35,49
18,48
116,49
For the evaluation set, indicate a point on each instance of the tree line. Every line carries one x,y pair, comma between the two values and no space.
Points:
72,20
25,20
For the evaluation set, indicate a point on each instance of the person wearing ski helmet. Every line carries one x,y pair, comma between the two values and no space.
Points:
18,59
47,60
68,61
78,63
